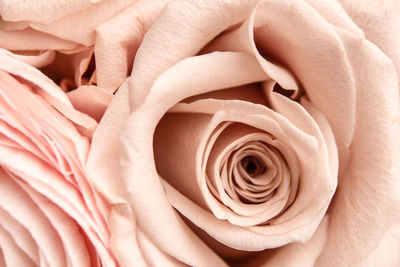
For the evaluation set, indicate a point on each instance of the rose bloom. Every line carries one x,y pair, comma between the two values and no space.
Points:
50,214
256,133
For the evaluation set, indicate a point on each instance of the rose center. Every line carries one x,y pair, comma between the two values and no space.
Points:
253,166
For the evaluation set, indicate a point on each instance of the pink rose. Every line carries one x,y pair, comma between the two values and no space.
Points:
207,161
50,214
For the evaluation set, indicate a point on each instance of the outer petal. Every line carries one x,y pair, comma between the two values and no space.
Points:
367,201
40,10
199,22
386,253
293,255
118,39
130,244
310,47
37,59
71,27
16,40
48,90
23,209
380,21
60,25
53,153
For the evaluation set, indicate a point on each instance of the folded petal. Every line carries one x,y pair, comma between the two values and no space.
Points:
154,56
118,39
131,244
52,175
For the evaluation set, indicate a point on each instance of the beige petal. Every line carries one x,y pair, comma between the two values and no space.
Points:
118,39
373,170
91,100
333,12
154,56
130,244
385,254
37,60
296,254
40,10
16,40
70,27
307,44
380,22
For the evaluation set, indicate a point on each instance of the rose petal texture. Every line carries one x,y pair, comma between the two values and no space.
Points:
74,31
302,46
131,245
50,213
380,22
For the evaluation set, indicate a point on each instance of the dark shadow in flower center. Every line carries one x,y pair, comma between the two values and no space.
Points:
253,166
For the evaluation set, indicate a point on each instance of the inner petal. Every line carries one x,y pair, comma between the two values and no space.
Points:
260,188
258,192
252,166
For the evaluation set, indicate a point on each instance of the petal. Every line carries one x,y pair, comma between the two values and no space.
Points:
131,245
385,255
334,13
91,100
296,35
13,255
137,158
48,90
24,210
380,22
37,60
21,236
70,28
118,39
40,10
205,23
72,239
296,254
368,192
53,153
16,40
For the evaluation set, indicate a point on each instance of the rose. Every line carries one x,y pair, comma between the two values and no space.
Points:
50,214
64,35
319,49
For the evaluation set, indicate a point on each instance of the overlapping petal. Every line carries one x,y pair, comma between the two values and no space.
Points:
46,190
